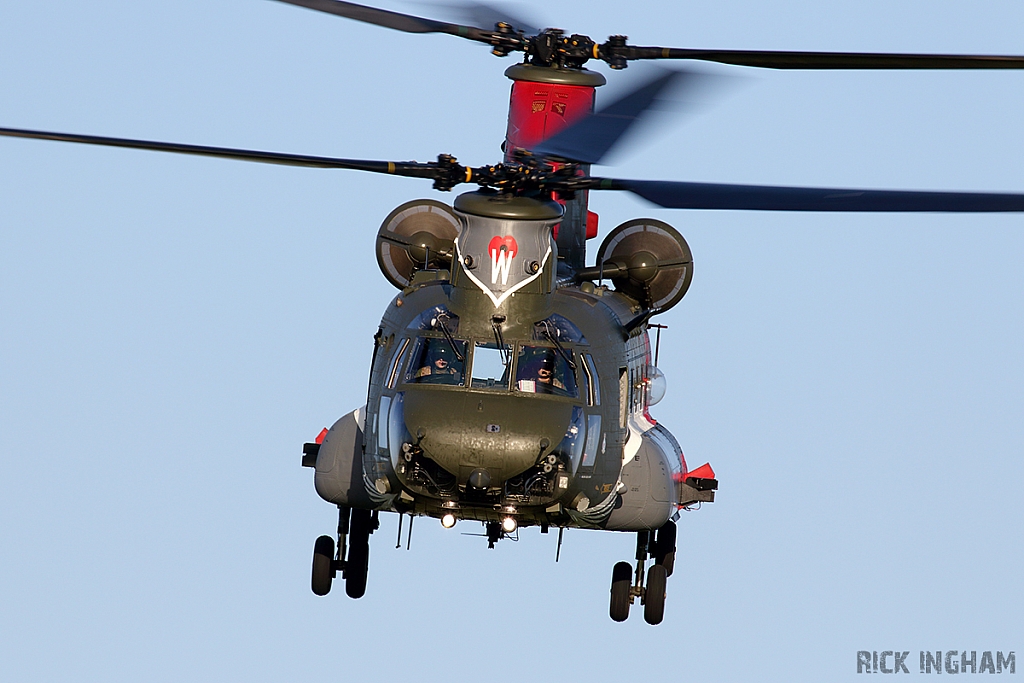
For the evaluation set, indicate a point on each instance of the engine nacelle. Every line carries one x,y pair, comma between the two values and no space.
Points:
647,260
417,235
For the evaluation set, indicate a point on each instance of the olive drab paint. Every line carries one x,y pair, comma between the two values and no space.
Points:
570,446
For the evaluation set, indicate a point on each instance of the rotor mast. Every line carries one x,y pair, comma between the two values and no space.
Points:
544,101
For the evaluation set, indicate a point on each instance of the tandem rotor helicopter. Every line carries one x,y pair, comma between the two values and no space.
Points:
509,384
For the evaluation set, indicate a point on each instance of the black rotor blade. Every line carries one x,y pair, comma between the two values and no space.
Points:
770,59
687,195
408,168
395,20
482,14
591,138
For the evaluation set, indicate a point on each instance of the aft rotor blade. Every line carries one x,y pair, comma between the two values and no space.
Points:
687,195
395,20
591,138
770,59
409,168
483,14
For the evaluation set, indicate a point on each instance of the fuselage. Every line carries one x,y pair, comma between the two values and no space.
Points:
461,414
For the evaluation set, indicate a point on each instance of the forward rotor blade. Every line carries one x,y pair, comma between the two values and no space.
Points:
769,59
409,168
591,138
687,195
395,20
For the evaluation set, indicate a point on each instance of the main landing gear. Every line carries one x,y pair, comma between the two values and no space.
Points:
354,529
627,584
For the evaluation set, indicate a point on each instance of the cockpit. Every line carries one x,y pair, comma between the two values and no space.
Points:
525,410
536,369
542,365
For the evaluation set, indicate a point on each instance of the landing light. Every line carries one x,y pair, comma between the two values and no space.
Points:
448,521
508,525
656,385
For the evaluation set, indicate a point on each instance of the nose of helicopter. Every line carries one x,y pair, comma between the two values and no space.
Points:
503,434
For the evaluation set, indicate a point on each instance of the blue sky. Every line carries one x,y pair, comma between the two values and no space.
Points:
172,329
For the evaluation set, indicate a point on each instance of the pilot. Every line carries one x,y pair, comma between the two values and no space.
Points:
441,365
546,379
540,376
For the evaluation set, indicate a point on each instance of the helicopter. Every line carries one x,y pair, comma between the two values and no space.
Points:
495,294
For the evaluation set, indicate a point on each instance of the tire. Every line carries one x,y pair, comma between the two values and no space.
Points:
356,568
665,553
358,561
323,565
654,600
622,579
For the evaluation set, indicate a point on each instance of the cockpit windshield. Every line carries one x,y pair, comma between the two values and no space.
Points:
544,370
437,361
448,361
491,365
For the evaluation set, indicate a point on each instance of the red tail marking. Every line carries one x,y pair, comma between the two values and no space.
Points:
591,225
702,472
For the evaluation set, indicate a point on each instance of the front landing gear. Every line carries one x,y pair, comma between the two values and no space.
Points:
353,553
654,595
660,546
358,562
621,585
323,565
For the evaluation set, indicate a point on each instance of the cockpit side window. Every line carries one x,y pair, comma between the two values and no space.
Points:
437,361
396,363
543,370
593,381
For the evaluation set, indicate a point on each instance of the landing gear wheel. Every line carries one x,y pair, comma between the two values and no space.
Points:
622,580
356,568
654,599
323,565
358,561
665,547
